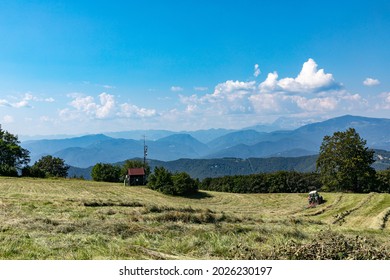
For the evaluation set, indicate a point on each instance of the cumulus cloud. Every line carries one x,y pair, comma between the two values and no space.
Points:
270,84
309,80
176,88
317,104
23,103
256,71
369,82
101,110
106,108
228,97
311,92
130,110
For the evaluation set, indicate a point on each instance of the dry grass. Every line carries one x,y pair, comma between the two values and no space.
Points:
72,219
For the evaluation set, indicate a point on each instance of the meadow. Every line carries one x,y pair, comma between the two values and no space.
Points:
76,219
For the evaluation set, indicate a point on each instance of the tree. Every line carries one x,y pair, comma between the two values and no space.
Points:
344,162
12,156
173,184
106,172
49,166
183,184
161,180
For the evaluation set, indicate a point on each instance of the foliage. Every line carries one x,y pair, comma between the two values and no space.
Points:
184,184
383,180
106,172
33,171
344,163
12,156
173,184
47,166
282,181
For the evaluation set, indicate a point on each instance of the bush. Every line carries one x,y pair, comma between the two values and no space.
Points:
33,171
172,184
105,172
383,181
6,170
47,166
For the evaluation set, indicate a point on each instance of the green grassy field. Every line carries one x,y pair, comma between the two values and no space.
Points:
72,219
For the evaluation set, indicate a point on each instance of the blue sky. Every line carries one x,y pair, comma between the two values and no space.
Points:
79,67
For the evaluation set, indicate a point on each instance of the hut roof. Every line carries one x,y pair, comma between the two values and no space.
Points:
136,171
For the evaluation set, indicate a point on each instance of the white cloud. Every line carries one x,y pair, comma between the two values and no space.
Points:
130,110
309,80
106,108
311,93
7,119
385,101
270,84
228,97
265,102
369,82
234,88
88,106
108,86
256,71
176,88
318,104
24,102
201,88
4,102
85,104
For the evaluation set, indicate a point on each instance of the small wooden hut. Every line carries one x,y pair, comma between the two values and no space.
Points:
136,176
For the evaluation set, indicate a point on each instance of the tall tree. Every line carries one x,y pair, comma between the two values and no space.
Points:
51,166
12,156
345,162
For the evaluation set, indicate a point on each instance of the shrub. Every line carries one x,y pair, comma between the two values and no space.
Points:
48,166
383,181
172,184
105,172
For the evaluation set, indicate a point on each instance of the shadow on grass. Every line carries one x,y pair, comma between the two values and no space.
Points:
198,195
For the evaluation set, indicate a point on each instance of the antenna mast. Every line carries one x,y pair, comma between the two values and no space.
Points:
145,151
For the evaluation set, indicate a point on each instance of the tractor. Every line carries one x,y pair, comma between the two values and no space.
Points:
315,199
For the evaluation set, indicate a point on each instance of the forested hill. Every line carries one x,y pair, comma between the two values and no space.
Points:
202,168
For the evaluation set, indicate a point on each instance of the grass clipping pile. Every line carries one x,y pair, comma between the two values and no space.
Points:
333,246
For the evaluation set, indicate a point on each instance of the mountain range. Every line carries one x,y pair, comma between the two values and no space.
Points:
246,143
